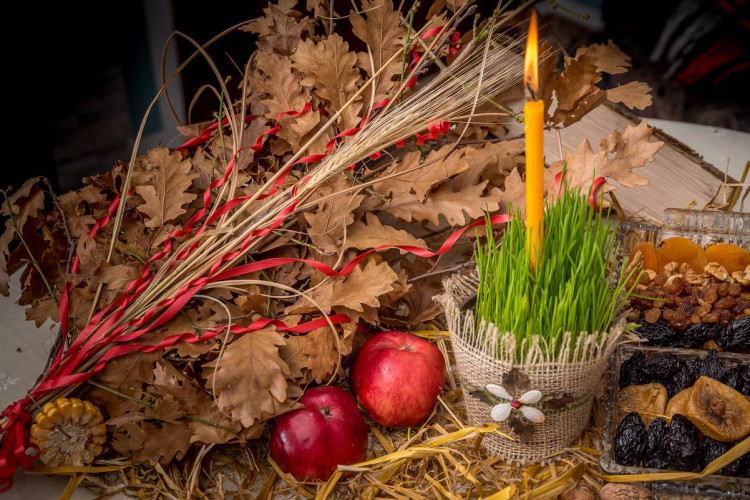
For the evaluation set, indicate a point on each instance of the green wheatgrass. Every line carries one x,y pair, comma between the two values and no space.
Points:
576,288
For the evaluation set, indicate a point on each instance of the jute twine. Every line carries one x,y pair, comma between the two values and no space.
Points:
483,355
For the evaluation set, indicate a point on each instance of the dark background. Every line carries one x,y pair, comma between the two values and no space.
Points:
94,68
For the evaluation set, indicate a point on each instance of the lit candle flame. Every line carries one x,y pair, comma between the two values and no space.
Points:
531,67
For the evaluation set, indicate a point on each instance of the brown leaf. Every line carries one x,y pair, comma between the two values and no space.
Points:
634,95
574,85
90,256
452,200
26,203
328,223
162,180
436,168
494,161
41,311
150,443
514,195
166,409
322,353
360,289
330,69
117,277
274,78
609,58
620,155
372,233
383,32
281,28
250,378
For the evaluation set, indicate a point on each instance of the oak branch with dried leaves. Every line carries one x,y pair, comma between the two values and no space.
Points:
413,137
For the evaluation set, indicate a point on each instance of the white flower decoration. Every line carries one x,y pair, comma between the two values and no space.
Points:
502,411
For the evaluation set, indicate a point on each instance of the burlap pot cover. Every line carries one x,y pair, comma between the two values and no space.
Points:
483,355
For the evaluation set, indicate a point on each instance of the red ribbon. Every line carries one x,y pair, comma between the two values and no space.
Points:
595,187
15,443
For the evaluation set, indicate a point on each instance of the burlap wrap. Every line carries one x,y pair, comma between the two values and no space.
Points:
483,356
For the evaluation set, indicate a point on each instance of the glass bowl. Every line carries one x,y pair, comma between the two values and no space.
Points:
713,486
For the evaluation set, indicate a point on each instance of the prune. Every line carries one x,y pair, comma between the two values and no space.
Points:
655,453
681,381
735,336
662,365
738,378
630,371
630,440
711,366
659,333
713,449
683,445
697,335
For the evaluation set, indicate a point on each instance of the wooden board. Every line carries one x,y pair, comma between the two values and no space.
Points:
678,176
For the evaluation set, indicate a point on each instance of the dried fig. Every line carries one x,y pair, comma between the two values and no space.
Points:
678,403
718,411
649,400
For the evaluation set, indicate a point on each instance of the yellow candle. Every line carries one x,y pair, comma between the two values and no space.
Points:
533,117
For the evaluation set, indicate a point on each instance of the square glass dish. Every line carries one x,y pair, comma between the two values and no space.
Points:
713,486
704,228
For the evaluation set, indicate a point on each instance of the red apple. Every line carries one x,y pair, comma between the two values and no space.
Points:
310,442
397,378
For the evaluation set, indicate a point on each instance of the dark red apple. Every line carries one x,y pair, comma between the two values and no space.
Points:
310,442
397,378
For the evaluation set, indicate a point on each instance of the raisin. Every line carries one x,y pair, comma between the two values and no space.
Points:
652,315
722,289
630,440
655,453
735,289
735,336
660,279
708,294
659,333
683,444
724,316
725,303
662,365
697,335
711,366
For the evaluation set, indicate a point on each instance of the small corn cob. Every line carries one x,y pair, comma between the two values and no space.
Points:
69,432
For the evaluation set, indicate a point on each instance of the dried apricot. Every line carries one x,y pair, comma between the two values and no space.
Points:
682,250
732,257
718,411
650,258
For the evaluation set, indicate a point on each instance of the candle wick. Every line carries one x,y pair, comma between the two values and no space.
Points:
530,93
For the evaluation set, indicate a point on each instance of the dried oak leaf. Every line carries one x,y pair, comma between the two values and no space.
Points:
250,379
330,69
321,349
576,90
383,32
371,233
26,203
495,161
608,57
41,310
634,95
162,180
328,223
281,28
620,154
354,292
452,200
150,443
281,90
420,177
